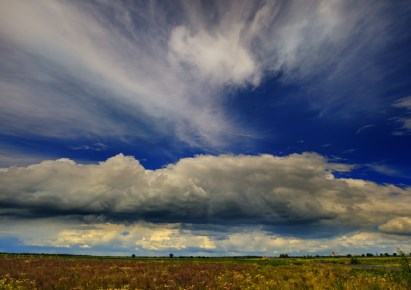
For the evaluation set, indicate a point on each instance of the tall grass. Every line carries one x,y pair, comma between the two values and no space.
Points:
405,273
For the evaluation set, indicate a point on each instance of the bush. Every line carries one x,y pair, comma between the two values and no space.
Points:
355,261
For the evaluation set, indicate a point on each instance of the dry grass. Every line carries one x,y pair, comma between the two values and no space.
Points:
73,273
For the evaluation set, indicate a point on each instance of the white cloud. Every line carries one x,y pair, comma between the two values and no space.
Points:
161,68
399,226
219,58
155,239
147,237
404,119
130,237
107,65
403,103
359,130
9,157
357,242
384,169
294,192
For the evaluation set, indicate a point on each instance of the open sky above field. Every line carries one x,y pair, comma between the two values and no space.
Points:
205,127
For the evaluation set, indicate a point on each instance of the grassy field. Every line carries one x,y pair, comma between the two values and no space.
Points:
77,272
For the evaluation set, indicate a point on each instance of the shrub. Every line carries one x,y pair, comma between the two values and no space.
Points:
355,261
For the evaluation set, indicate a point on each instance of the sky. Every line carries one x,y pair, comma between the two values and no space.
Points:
205,127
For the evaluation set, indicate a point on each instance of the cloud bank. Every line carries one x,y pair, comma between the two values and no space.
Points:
147,69
205,205
287,193
161,239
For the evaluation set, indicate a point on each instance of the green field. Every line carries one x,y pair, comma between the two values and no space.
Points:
82,272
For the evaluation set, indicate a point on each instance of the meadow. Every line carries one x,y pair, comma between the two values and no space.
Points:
78,272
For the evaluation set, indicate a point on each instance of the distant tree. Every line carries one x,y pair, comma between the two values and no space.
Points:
369,255
386,254
394,254
133,256
283,255
349,256
171,255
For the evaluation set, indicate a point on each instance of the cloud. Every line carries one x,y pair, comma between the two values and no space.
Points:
262,242
75,71
161,239
405,119
143,236
9,157
398,226
162,69
359,130
384,169
226,61
288,194
403,103
94,147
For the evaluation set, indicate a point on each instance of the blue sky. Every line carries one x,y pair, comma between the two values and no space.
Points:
205,127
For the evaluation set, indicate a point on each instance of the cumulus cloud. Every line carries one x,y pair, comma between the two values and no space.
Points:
288,194
398,226
136,236
144,236
154,68
262,242
155,239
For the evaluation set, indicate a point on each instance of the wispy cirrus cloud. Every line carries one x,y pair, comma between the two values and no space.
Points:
359,130
405,118
93,147
384,169
160,69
